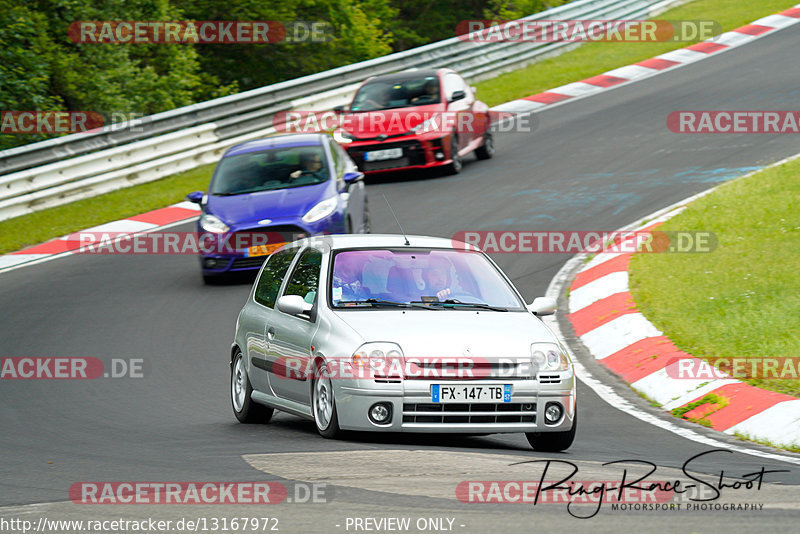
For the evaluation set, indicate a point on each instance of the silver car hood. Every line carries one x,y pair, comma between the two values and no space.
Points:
449,333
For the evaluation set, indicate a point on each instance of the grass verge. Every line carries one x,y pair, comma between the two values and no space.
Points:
743,299
591,59
791,447
587,60
42,225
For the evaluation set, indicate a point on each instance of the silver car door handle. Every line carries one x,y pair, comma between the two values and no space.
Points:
271,334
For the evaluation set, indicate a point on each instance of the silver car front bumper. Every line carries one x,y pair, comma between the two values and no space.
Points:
414,411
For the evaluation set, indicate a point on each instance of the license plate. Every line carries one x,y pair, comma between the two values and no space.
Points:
262,250
387,153
470,393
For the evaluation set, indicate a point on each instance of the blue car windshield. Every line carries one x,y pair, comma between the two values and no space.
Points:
267,170
373,278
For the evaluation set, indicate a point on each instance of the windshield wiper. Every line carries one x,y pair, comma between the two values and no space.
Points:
456,302
382,302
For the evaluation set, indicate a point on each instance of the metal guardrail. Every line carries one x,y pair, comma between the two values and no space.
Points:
81,165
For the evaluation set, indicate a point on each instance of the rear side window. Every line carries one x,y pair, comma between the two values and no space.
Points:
305,278
271,277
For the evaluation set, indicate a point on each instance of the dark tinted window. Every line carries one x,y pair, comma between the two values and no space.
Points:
305,278
271,277
386,93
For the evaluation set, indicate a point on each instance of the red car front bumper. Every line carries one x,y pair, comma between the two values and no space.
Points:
418,152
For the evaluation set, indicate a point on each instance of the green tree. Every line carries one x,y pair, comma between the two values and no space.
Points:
357,30
25,71
515,9
41,69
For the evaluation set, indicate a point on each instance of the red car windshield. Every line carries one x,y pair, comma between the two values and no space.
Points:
424,276
388,94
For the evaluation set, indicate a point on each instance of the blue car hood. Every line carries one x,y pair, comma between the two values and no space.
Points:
279,203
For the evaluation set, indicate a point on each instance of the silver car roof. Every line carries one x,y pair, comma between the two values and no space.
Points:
344,241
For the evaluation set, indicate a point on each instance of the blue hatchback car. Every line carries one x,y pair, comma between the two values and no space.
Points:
271,191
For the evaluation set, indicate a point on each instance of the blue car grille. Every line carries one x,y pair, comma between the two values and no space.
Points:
275,234
247,263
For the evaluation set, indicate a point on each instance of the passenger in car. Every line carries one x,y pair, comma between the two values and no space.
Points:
347,284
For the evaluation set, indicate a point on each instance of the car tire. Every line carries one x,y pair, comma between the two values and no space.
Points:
245,410
486,150
457,162
323,404
553,441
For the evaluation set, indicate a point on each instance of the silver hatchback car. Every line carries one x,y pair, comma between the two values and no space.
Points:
399,334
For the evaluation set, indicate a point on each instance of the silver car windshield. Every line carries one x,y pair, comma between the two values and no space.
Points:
442,278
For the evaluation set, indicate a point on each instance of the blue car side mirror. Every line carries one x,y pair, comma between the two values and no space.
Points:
352,176
195,196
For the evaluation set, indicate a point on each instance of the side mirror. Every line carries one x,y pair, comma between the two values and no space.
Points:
352,176
474,90
293,305
195,196
339,109
458,95
543,306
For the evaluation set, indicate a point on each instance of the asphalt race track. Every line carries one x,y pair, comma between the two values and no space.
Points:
594,164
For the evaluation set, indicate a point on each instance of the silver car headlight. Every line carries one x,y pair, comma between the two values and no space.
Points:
321,210
382,357
549,357
212,223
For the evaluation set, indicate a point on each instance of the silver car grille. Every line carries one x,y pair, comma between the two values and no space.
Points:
469,413
549,379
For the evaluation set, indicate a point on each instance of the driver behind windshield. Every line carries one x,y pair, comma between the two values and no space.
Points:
430,93
437,280
310,163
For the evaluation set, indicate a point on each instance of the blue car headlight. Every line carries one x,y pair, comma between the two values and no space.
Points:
213,224
321,210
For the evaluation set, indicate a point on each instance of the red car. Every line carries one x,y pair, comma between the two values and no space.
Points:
415,120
